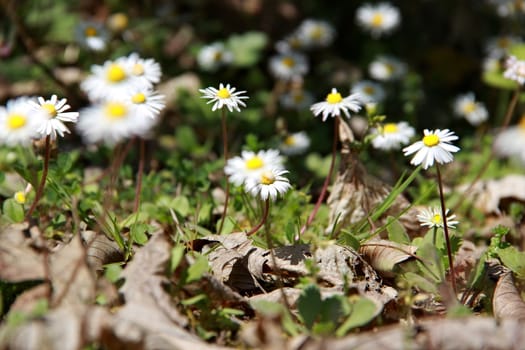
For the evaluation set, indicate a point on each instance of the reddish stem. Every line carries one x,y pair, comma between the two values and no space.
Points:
264,218
140,171
225,150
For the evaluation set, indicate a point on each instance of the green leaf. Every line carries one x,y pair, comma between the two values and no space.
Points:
363,311
112,272
13,210
517,50
138,233
350,240
513,259
181,205
246,47
415,279
497,80
396,231
177,253
194,300
197,269
309,305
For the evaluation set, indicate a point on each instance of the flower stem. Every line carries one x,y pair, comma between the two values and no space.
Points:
263,220
326,181
445,230
40,189
140,172
225,151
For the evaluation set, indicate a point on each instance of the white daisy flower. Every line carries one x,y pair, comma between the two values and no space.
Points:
288,65
92,35
491,64
511,141
515,70
315,33
269,184
224,96
378,19
56,116
251,165
19,122
297,99
147,102
432,217
111,80
334,104
147,71
473,111
369,91
392,136
387,68
292,42
295,143
111,122
213,56
498,47
435,146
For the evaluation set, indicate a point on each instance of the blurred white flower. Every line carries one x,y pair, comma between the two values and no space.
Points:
387,68
297,99
147,102
369,91
498,47
288,66
315,33
295,143
511,141
20,121
473,111
213,56
92,35
392,136
146,70
378,19
515,70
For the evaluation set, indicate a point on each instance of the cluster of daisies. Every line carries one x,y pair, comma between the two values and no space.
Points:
124,103
95,35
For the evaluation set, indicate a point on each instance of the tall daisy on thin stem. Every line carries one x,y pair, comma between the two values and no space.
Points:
332,106
49,127
224,96
435,147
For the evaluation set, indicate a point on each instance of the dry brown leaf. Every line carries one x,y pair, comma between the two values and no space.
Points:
507,301
384,255
487,195
473,333
355,193
18,261
101,250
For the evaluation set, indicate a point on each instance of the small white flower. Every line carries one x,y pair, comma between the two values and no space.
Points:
251,165
369,91
213,56
334,104
112,80
56,116
491,64
296,143
378,19
435,146
473,111
111,122
387,68
297,99
92,35
288,65
498,47
315,33
432,217
269,184
292,42
147,102
19,122
146,70
515,70
511,141
224,96
392,136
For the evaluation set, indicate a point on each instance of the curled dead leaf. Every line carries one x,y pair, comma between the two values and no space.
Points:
384,255
507,301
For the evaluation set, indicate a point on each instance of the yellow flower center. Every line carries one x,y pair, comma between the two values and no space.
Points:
118,21
389,68
437,220
377,20
267,178
469,107
317,33
503,43
217,56
288,62
289,140
431,140
20,197
16,121
334,97
369,90
254,163
50,108
138,98
390,128
223,93
521,124
137,69
115,73
115,110
90,32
